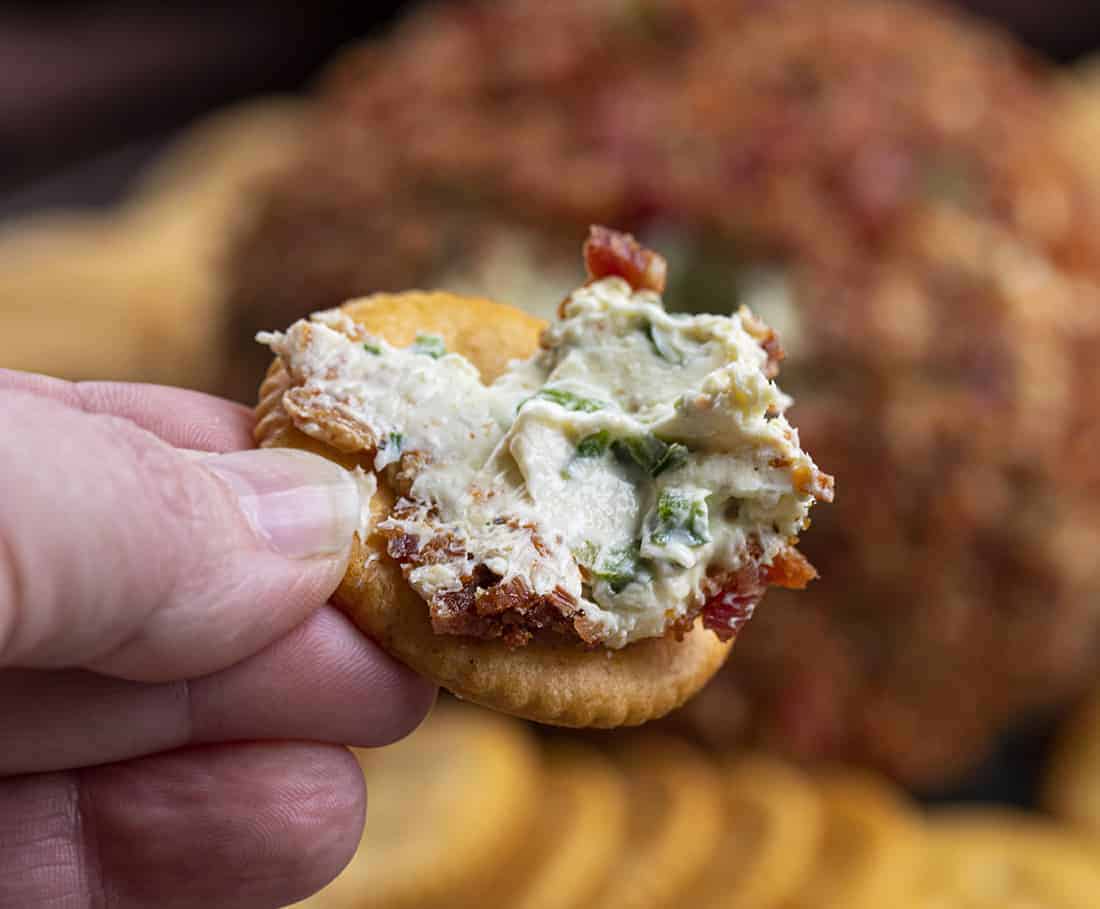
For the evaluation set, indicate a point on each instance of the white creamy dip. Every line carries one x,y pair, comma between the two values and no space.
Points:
635,454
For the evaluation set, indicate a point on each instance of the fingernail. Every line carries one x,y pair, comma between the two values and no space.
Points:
304,506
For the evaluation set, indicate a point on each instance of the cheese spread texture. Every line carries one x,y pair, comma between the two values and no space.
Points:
635,456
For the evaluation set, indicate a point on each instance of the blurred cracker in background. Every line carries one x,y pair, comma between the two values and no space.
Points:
996,859
580,830
676,819
133,293
774,824
475,810
870,849
451,808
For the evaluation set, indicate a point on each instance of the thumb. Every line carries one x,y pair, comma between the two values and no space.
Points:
121,554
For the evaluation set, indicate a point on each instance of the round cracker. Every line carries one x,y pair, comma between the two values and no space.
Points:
996,858
774,823
559,684
579,834
1071,786
449,806
674,827
871,848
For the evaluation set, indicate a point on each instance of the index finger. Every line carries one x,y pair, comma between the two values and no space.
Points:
182,418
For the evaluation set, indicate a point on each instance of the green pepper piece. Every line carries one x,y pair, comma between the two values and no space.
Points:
429,345
595,445
681,514
650,453
565,399
618,566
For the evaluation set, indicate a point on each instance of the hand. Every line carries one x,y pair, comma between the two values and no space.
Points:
167,665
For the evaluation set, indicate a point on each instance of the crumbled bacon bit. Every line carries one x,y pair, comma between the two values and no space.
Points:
790,569
775,353
484,607
767,339
501,598
608,252
732,598
727,612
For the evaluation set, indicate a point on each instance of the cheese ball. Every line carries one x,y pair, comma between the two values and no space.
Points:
882,184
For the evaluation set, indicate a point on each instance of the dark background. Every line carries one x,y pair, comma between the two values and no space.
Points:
90,91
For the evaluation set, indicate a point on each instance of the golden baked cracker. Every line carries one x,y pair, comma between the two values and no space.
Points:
774,823
871,848
674,827
998,858
448,808
560,684
579,833
1071,785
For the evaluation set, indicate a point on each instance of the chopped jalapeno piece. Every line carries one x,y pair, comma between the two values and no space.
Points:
650,453
595,445
681,516
372,348
676,456
566,399
429,345
617,566
645,451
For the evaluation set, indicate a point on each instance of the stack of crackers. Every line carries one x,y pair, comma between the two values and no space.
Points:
475,810
133,292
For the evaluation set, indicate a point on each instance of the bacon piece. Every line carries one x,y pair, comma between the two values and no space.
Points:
608,252
726,612
484,606
775,353
732,598
768,341
487,609
790,569
735,596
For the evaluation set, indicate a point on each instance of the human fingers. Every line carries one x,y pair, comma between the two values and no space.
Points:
186,419
120,554
258,825
322,682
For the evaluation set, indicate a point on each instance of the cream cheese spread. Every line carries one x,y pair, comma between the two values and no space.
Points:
637,454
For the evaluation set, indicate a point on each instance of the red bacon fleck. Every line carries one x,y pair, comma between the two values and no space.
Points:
790,569
610,253
726,612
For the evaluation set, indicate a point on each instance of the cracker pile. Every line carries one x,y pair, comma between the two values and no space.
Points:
474,810
133,292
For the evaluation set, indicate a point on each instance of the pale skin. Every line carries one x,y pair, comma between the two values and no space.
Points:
174,690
